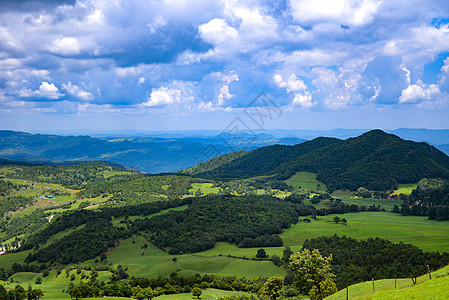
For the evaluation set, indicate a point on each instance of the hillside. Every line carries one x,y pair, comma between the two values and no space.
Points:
375,160
150,155
263,160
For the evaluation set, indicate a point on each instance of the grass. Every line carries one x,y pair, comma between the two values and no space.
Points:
405,189
426,234
155,262
385,288
206,188
305,180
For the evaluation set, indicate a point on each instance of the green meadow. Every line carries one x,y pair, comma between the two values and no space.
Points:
154,262
436,288
405,189
387,204
306,180
426,234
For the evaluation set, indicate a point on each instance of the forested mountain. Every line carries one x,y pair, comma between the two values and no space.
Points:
375,160
261,161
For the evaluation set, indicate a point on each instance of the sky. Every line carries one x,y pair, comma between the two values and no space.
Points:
202,64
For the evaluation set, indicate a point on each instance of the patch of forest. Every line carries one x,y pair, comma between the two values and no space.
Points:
213,219
361,260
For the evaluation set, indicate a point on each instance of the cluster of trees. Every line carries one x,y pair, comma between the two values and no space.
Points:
146,288
357,261
214,219
83,244
6,187
430,198
13,203
71,176
19,293
265,240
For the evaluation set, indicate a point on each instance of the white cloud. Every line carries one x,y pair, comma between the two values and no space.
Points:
224,91
348,12
65,46
163,96
303,100
419,92
46,91
217,31
77,92
293,84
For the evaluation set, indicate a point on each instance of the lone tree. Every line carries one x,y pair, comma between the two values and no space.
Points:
313,268
196,292
337,219
261,253
271,290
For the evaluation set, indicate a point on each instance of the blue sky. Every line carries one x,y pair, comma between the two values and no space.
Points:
175,64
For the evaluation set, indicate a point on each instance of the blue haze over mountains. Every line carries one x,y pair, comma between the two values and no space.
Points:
156,151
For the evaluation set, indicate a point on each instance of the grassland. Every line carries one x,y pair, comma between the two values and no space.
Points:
155,262
305,180
206,188
426,234
405,189
436,288
387,204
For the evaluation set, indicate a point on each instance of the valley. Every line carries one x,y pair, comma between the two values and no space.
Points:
226,225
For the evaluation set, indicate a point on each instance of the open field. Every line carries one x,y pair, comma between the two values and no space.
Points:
426,234
405,189
155,262
305,180
206,188
385,289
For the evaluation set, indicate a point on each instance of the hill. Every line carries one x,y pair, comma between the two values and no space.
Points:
151,155
375,160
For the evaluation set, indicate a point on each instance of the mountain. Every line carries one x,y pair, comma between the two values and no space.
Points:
375,160
151,155
258,162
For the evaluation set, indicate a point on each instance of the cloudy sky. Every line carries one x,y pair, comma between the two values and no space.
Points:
178,64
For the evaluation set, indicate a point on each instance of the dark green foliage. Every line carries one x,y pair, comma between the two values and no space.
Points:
263,160
356,261
374,160
261,241
261,253
71,176
13,203
95,238
214,219
430,198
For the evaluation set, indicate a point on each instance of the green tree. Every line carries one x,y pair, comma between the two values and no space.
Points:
261,253
337,219
271,290
313,268
196,292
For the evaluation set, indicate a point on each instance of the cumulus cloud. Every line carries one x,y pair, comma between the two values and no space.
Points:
419,92
77,92
348,12
65,46
224,90
293,84
46,91
303,100
163,97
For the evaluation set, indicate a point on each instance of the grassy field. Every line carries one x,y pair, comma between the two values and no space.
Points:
405,189
206,188
437,288
425,234
305,180
155,262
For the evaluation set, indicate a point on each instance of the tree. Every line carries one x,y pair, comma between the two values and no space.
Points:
271,290
261,253
344,222
337,219
313,268
38,280
196,292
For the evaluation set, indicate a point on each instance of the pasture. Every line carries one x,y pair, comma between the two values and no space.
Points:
306,180
426,234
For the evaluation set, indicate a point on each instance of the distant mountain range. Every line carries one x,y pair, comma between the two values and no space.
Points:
375,160
155,152
151,155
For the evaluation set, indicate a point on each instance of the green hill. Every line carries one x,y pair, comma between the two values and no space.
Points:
375,160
